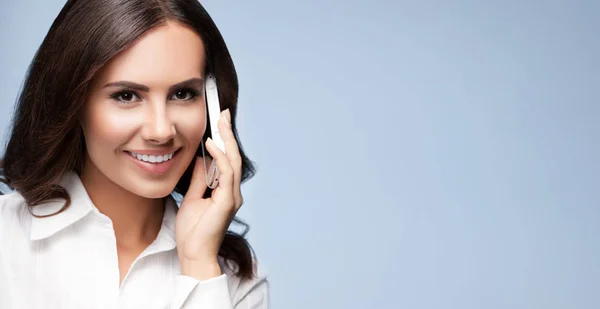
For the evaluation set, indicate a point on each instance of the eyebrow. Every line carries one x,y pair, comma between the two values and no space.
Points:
192,82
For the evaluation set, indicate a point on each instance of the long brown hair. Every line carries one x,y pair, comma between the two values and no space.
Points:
46,140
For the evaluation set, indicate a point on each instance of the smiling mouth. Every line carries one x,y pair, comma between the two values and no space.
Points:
154,159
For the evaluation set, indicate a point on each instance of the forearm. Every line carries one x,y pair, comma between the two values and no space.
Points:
200,270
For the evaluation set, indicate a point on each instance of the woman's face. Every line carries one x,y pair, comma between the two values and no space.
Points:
145,115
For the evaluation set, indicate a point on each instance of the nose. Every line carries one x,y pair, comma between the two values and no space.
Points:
159,127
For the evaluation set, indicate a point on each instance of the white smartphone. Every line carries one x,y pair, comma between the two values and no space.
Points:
211,95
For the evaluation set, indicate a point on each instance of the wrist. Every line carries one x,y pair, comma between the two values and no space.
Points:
200,270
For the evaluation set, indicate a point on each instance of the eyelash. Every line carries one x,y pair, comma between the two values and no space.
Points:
118,96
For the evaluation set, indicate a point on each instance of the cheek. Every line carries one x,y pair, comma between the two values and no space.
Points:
191,124
106,129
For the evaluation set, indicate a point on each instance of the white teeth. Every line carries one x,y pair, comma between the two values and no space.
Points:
152,158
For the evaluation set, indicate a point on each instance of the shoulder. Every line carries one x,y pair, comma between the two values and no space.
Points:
11,202
239,288
13,212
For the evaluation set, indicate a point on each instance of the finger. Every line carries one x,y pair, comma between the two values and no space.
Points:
198,182
225,188
233,154
231,147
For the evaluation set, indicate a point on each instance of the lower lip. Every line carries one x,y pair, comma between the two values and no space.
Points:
154,168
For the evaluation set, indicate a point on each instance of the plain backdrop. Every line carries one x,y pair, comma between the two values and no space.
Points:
411,154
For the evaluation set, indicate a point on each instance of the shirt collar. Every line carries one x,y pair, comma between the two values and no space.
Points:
80,206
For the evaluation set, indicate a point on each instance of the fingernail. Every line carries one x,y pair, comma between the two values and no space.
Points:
209,141
228,115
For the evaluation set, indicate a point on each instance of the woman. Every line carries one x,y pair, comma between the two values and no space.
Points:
107,129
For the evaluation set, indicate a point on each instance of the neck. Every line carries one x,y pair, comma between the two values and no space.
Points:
136,220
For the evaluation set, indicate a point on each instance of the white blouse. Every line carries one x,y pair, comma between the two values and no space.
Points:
69,260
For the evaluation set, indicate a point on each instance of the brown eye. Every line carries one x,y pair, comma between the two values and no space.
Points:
125,97
184,95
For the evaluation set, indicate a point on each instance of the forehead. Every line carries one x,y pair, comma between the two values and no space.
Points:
163,56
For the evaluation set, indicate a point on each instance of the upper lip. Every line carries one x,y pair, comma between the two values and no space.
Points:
150,152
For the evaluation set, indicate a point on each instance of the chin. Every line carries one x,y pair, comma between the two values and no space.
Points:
149,187
152,190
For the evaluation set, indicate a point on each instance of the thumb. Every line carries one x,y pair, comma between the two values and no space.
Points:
198,182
